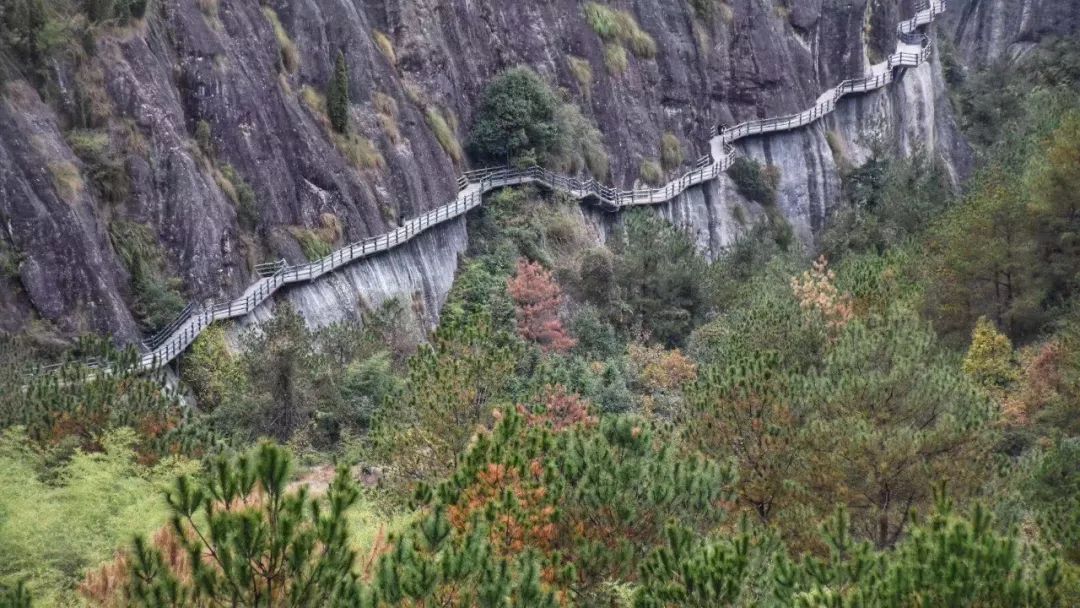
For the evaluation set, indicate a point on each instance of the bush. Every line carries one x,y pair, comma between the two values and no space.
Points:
22,23
517,118
103,163
754,182
313,246
247,210
53,530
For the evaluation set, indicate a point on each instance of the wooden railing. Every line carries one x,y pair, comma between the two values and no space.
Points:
172,340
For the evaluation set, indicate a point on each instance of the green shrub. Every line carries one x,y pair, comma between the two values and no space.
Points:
704,9
580,144
247,210
753,181
103,163
313,246
597,271
671,153
22,24
204,138
52,530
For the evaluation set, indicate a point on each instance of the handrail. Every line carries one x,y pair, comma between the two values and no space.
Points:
172,340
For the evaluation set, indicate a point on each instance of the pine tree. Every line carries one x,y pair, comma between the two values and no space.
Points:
337,95
745,410
948,560
453,386
887,412
239,538
15,597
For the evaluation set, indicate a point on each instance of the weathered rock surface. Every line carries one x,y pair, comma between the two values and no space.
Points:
987,30
161,78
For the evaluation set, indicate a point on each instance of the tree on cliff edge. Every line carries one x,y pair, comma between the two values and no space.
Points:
337,96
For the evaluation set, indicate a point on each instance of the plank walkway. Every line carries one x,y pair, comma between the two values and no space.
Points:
912,50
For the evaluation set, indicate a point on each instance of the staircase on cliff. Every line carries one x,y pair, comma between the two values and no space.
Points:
912,50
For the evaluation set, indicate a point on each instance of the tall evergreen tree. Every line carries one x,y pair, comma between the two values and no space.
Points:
337,95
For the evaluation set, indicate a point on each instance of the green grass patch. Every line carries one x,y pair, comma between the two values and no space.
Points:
615,59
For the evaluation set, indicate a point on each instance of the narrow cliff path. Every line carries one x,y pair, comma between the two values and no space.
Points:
913,49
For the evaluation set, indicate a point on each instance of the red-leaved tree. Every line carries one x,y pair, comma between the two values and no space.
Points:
537,298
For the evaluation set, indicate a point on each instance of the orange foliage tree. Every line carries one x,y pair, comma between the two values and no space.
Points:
537,298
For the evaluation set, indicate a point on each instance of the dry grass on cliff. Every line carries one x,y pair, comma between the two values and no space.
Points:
620,27
386,111
444,133
290,56
385,46
582,71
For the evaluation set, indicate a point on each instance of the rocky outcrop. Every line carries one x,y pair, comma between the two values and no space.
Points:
419,274
221,64
988,30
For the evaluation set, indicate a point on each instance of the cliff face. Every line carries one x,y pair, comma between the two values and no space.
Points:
219,72
988,30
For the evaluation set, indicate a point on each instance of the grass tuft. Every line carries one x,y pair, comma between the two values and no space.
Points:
651,173
582,71
671,153
385,46
445,134
621,29
615,59
290,56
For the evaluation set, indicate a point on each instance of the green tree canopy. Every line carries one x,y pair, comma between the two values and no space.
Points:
517,119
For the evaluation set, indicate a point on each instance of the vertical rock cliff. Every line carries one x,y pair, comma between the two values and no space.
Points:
212,116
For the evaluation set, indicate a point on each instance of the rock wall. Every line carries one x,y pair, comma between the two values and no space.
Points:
419,273
152,83
988,30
